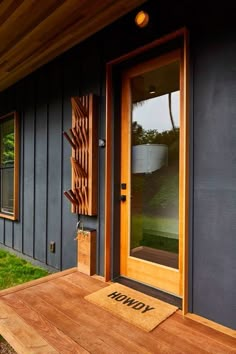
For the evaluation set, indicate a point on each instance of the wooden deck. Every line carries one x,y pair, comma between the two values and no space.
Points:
50,315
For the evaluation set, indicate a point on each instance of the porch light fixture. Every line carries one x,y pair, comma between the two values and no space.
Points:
152,90
142,19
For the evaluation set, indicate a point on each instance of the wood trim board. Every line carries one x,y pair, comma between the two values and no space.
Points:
162,277
226,330
108,174
15,214
185,171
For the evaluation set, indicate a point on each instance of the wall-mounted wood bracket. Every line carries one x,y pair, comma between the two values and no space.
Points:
83,138
86,251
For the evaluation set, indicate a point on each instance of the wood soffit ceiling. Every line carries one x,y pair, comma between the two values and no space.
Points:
33,32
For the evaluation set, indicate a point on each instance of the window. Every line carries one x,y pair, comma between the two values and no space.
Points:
9,148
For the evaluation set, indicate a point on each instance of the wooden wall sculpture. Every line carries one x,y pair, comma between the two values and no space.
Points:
84,141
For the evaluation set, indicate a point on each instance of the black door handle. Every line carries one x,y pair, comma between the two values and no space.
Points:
123,198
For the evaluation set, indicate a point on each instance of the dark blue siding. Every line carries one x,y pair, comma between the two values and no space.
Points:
18,225
29,168
55,162
214,242
41,164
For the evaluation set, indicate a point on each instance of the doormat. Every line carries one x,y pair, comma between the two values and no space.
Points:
132,306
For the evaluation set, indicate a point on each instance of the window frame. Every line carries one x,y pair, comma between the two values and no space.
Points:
15,214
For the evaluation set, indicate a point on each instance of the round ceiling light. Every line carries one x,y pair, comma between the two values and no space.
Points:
141,19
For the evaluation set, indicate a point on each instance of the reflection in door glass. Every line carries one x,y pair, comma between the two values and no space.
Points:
155,166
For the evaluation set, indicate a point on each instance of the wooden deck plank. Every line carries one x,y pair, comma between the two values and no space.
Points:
82,335
211,333
198,339
174,341
50,333
72,296
55,310
210,324
85,325
89,284
118,333
116,327
66,299
22,337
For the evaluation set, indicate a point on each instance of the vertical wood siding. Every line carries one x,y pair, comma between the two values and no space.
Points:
18,226
214,227
43,103
28,216
41,167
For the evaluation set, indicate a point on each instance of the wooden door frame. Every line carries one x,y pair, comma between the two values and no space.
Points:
183,32
166,278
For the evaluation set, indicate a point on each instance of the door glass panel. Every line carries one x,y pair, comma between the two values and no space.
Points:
154,232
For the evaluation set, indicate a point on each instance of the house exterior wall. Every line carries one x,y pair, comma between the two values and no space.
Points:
43,102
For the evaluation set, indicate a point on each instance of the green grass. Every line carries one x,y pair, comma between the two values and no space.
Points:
15,271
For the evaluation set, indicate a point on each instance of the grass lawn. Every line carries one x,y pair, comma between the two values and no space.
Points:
14,271
5,348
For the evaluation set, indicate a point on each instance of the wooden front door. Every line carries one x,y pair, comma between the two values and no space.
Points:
152,171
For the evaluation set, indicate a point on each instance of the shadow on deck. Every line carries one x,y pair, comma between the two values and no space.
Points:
50,315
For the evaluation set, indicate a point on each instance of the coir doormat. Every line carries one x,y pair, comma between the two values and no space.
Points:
136,308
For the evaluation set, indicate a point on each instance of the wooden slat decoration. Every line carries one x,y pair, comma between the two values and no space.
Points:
84,141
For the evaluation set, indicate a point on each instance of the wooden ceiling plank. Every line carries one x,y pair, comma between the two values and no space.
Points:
14,21
32,40
71,32
23,22
74,35
7,7
68,28
31,64
31,44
